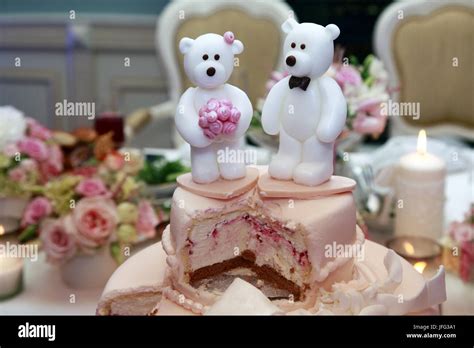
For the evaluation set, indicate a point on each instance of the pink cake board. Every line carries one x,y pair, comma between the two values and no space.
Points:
272,188
220,189
147,269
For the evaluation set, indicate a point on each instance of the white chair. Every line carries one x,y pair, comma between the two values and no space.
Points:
428,49
256,23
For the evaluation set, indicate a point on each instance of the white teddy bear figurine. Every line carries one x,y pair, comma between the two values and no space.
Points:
214,115
307,108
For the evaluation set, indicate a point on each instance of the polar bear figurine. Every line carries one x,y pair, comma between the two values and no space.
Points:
307,108
209,62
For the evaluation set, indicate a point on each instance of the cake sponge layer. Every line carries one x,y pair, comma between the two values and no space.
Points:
285,235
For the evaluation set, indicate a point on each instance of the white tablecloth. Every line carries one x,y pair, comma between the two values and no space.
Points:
44,293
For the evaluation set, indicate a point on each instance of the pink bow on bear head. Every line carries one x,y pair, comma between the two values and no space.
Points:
229,37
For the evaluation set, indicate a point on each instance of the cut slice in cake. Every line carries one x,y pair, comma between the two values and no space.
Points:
278,245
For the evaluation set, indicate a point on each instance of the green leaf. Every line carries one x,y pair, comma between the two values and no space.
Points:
29,233
366,67
160,171
116,252
353,60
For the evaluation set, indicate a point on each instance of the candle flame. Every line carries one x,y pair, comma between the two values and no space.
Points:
421,144
2,230
420,266
409,248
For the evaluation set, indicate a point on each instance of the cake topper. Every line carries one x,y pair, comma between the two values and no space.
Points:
214,115
306,108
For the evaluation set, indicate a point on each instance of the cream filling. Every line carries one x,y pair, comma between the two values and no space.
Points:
225,237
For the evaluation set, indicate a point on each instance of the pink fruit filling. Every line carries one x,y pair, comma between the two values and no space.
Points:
273,245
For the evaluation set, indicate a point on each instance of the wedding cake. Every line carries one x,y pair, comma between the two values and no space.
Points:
277,239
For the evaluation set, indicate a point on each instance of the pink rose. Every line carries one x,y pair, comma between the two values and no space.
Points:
461,232
95,219
212,104
29,165
369,119
348,75
209,134
229,128
34,148
11,150
53,165
37,209
91,187
203,122
147,219
57,236
17,174
37,130
211,116
234,115
216,127
55,159
366,124
223,113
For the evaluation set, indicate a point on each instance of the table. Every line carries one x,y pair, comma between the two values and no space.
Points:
45,294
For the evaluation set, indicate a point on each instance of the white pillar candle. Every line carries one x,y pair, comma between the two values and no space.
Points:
11,270
420,193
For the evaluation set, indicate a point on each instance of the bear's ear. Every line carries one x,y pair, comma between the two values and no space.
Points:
185,44
333,31
288,25
237,47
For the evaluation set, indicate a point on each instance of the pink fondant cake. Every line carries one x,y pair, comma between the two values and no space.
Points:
244,241
277,244
281,255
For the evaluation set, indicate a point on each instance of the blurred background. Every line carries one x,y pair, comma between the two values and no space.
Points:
405,67
83,58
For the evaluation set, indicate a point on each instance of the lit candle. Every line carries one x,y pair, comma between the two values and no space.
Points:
420,193
11,274
8,225
422,252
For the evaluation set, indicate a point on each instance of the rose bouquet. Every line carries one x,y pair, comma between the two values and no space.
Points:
365,87
218,117
29,158
82,194
90,208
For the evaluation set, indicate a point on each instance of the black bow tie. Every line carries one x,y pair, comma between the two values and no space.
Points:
301,82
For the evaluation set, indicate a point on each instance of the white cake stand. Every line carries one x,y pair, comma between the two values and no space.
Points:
145,273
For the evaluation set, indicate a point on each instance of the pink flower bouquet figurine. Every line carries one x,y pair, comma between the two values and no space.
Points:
218,117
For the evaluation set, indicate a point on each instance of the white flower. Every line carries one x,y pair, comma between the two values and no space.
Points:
12,125
377,70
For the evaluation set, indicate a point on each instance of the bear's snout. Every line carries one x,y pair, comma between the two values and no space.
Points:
290,60
211,71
